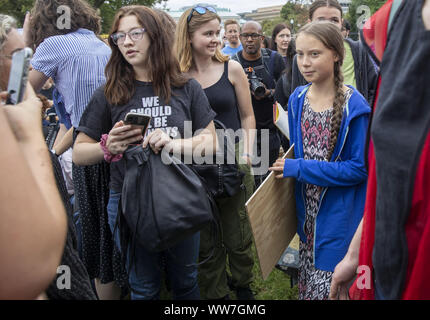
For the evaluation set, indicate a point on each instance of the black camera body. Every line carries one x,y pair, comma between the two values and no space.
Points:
257,87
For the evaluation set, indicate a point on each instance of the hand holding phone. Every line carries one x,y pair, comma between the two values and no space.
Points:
138,121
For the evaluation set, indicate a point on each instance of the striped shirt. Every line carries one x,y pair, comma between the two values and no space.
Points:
76,61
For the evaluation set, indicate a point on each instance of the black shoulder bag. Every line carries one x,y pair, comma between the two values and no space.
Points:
222,179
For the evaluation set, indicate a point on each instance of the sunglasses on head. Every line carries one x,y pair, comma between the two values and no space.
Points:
199,10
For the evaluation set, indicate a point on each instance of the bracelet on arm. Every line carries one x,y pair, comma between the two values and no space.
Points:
109,157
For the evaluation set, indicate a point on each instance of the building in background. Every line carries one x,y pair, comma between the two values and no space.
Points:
261,14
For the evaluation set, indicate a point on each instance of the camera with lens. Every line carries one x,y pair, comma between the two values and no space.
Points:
257,87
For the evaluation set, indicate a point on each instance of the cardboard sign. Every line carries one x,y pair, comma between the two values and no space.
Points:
272,214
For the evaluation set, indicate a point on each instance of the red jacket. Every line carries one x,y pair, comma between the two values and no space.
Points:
417,228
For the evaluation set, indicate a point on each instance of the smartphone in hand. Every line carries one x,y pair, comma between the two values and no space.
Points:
19,75
138,121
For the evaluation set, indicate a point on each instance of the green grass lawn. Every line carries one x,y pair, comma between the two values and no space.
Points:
276,287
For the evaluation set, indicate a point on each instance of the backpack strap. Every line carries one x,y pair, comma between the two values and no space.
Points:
235,57
286,87
269,61
272,64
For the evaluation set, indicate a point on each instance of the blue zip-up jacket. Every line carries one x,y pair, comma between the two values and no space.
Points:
343,178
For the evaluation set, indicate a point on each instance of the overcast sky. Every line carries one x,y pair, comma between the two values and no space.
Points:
234,5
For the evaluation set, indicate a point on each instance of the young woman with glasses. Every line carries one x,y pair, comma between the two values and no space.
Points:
226,86
143,76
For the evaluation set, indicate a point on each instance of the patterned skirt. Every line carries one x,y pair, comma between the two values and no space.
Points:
313,284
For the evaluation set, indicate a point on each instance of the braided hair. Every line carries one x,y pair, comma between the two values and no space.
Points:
329,34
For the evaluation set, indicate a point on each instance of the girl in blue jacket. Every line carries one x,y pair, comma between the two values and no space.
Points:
328,124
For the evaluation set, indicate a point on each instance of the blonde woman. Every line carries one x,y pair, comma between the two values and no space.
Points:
227,89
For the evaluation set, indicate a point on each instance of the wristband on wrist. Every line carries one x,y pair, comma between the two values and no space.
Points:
109,157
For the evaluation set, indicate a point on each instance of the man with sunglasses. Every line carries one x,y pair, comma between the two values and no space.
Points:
268,66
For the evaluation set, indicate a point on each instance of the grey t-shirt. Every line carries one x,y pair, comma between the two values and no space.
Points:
188,103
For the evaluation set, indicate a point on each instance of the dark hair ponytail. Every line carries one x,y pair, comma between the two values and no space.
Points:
278,28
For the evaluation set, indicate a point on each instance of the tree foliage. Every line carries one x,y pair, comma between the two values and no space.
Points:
16,8
106,8
296,11
268,26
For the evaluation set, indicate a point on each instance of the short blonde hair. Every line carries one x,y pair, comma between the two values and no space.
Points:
7,23
184,31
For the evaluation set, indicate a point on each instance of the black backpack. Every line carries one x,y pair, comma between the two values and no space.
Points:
162,204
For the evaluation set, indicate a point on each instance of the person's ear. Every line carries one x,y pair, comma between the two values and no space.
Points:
309,20
335,57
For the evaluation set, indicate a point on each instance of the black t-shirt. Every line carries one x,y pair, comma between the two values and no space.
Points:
263,109
188,103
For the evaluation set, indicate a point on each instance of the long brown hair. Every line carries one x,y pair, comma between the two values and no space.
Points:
324,3
162,65
44,19
185,30
330,36
278,28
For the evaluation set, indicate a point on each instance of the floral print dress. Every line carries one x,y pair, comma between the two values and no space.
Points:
314,284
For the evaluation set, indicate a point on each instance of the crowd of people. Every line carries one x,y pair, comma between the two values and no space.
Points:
358,115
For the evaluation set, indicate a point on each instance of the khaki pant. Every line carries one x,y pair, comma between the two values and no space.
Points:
235,241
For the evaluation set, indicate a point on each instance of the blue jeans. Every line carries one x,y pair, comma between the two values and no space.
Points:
145,271
112,211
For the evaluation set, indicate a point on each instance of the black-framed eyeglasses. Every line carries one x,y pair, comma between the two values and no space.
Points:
254,36
135,34
199,10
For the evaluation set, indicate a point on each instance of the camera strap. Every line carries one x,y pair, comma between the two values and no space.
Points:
268,62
